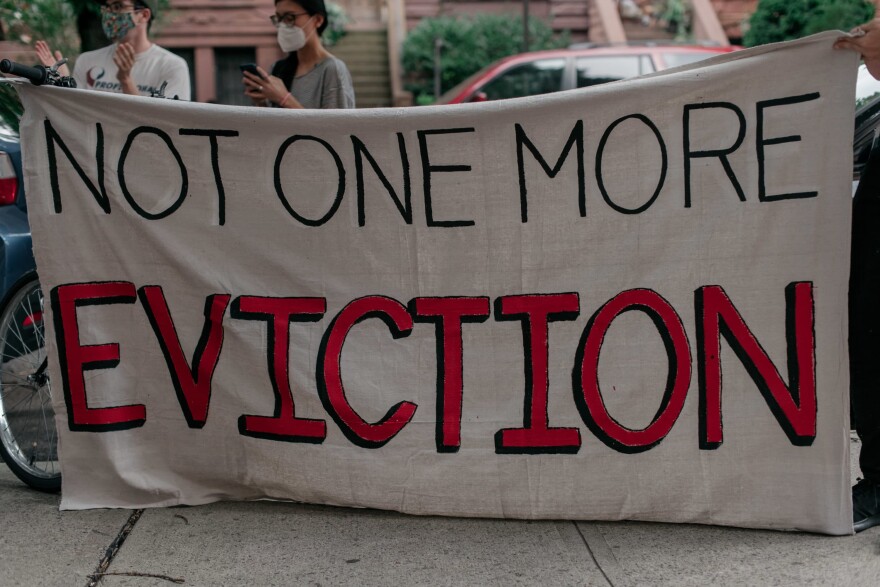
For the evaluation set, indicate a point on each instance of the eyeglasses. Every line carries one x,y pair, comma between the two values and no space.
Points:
119,8
288,19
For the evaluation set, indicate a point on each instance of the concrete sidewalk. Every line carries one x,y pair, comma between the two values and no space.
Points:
267,543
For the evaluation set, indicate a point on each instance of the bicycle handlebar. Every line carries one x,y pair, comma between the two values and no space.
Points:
37,75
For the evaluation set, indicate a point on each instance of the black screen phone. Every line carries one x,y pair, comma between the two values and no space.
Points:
250,68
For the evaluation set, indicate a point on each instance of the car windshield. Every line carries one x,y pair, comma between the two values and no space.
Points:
866,87
10,109
6,131
677,59
452,93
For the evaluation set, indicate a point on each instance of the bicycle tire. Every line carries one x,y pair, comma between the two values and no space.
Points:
28,436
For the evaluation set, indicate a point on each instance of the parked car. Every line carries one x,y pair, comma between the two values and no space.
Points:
867,120
579,66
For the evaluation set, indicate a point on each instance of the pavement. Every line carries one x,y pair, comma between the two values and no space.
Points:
274,543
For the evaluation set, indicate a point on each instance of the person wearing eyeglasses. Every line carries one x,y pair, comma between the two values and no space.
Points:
131,64
309,77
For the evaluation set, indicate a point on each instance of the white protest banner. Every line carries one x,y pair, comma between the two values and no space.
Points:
622,303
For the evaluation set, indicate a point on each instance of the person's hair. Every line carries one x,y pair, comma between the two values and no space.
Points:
144,4
286,68
313,7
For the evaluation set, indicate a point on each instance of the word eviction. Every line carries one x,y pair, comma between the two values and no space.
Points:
793,404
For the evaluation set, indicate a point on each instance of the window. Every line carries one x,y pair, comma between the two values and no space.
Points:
599,70
527,79
229,88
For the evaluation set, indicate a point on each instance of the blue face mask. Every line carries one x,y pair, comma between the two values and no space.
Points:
117,24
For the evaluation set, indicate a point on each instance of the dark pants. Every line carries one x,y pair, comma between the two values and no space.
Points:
864,317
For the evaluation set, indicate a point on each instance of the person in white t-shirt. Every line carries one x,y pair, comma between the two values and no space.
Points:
132,64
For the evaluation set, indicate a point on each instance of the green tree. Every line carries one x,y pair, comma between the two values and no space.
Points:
783,20
27,21
69,26
469,43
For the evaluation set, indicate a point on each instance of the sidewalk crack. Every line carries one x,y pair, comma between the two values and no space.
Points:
592,554
113,549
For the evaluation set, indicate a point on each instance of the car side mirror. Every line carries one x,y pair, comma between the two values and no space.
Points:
479,97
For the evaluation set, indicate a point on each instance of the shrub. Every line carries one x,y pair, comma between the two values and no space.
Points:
783,20
338,22
469,43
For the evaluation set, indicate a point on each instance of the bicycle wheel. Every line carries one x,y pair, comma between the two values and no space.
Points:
28,438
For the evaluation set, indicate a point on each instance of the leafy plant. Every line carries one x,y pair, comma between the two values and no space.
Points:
338,21
10,106
27,21
69,26
32,20
677,14
783,20
468,44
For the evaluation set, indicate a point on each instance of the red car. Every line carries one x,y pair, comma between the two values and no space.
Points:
579,66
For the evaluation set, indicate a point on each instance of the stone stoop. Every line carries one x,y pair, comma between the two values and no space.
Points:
634,29
366,55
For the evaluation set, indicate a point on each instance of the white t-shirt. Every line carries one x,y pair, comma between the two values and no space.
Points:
95,70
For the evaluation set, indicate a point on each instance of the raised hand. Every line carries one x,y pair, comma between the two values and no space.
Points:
866,41
268,87
48,58
124,60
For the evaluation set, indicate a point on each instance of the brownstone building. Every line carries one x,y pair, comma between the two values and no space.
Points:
216,36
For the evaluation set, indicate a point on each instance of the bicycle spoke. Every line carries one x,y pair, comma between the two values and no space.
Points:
28,429
11,407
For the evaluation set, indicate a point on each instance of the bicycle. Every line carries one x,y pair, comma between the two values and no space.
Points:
28,436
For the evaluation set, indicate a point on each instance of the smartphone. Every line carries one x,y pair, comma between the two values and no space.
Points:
250,68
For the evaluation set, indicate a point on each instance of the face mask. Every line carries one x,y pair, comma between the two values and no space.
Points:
117,25
291,38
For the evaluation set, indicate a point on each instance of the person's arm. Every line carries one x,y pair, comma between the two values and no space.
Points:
866,42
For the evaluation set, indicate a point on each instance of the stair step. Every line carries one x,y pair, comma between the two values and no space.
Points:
372,97
362,38
362,56
359,73
362,100
369,79
371,88
366,55
367,67
636,32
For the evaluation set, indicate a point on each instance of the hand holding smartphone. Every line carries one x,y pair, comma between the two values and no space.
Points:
250,68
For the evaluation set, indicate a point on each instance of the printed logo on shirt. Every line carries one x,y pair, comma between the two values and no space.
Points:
93,80
93,75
